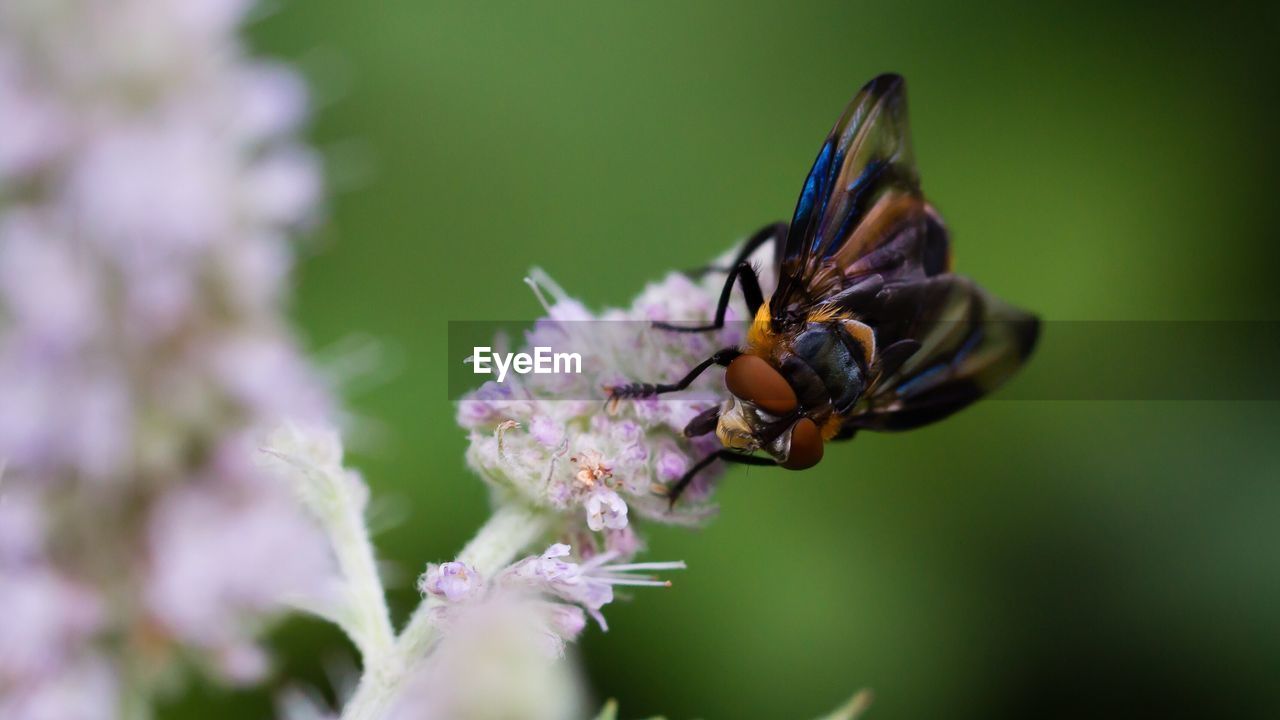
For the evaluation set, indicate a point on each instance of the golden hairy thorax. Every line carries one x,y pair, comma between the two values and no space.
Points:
764,342
761,339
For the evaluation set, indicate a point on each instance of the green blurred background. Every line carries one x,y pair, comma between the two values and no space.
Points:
1024,559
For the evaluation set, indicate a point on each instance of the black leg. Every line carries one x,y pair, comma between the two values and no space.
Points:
773,231
743,272
722,358
704,423
750,290
726,455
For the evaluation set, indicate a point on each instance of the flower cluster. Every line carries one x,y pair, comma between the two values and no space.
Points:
572,587
149,179
550,440
502,631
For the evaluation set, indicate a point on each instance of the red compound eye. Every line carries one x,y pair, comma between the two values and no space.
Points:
806,446
756,381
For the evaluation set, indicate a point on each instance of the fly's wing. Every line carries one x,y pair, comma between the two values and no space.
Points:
861,196
863,240
967,343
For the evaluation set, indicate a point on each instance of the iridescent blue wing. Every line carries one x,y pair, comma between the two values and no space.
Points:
966,343
864,241
862,197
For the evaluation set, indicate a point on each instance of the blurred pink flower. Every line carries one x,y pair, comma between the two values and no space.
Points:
43,619
153,178
218,555
87,688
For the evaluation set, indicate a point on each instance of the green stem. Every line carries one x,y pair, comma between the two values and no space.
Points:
370,621
331,497
509,531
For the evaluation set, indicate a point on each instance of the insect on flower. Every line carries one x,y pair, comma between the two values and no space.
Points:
867,327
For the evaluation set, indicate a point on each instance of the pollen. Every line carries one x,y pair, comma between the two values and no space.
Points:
592,470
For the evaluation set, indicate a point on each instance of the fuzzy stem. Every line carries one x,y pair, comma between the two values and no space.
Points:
509,531
336,503
369,621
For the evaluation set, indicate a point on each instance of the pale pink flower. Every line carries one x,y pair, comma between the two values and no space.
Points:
43,619
453,581
87,688
552,589
605,509
156,178
218,555
588,584
551,440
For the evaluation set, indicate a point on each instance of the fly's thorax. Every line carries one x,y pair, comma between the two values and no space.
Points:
760,335
829,361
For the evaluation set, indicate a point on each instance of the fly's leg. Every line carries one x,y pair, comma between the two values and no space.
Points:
725,455
722,358
704,423
741,271
773,231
